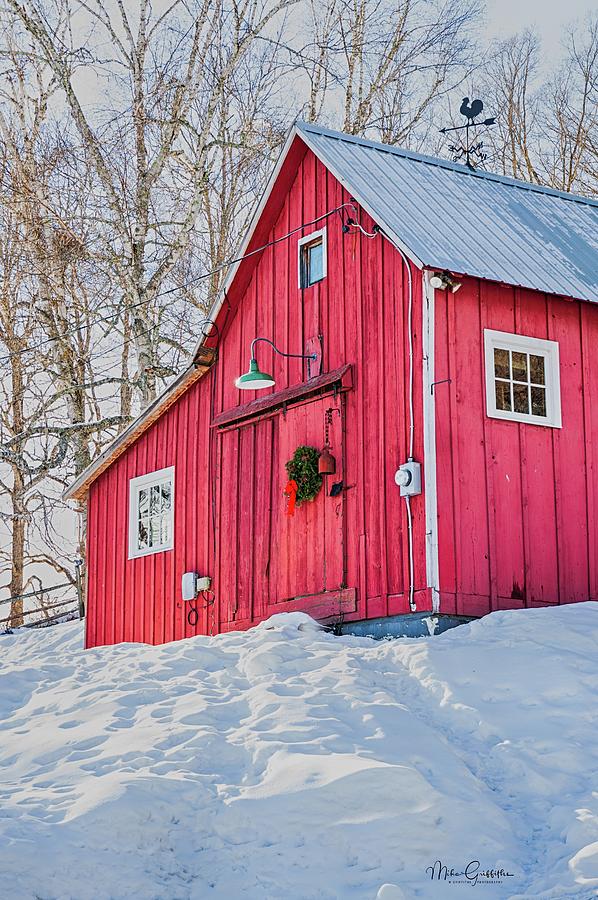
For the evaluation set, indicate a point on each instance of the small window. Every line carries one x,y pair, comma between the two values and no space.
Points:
151,513
312,258
522,378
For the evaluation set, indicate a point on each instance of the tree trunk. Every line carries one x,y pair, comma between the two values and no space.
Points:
17,575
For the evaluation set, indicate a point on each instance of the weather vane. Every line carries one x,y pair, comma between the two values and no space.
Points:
472,149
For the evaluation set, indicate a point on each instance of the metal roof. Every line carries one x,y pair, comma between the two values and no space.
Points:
475,223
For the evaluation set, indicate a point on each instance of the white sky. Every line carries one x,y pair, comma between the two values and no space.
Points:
549,17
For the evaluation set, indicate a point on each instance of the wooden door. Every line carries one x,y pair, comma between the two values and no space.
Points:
267,561
247,465
309,558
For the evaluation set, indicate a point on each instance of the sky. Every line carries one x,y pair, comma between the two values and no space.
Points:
549,17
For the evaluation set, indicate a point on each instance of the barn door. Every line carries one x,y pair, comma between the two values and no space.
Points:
266,558
309,557
248,463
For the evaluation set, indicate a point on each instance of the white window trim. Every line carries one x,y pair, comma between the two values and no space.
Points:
309,239
518,342
135,484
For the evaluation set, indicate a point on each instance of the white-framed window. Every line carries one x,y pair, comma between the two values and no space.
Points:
522,378
151,513
312,261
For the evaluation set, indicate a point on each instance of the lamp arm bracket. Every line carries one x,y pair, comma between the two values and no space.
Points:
280,352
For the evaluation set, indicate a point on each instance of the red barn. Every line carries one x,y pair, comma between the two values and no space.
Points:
414,313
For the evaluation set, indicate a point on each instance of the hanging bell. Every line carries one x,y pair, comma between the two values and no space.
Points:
326,462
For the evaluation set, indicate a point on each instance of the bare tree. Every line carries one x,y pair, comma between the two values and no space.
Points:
31,449
509,91
386,65
17,326
547,125
151,157
570,115
48,419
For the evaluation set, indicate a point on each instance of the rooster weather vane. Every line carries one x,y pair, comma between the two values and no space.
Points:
473,149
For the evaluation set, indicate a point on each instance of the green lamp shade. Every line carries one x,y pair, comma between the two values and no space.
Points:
254,380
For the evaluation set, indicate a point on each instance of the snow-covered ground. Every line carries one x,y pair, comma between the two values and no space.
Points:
288,763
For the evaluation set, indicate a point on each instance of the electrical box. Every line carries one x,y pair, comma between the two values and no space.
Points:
188,586
409,478
192,584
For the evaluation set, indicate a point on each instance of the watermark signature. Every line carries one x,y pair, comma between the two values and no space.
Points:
474,873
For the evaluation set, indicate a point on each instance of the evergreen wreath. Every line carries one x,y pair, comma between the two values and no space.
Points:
303,468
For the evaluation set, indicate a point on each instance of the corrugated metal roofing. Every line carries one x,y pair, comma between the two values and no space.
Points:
473,223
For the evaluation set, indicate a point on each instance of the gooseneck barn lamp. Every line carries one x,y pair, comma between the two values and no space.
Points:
254,379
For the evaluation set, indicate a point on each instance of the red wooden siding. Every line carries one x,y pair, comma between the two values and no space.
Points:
517,502
345,554
139,599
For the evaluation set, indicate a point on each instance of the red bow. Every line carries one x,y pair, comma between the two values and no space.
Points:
290,493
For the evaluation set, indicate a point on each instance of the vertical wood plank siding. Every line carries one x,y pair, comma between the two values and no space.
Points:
517,502
355,541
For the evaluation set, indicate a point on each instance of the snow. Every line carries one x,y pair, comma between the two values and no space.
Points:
285,762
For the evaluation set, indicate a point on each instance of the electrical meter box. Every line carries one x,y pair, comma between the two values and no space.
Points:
409,478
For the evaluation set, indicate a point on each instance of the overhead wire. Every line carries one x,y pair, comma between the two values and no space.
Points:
98,373
224,265
203,323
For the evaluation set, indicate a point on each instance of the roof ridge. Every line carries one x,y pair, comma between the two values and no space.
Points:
445,163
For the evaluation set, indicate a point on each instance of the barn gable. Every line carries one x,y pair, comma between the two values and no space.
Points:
226,464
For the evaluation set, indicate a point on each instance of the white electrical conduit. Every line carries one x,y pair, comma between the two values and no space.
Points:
363,231
412,604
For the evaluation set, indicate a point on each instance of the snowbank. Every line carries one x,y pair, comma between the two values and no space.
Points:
287,763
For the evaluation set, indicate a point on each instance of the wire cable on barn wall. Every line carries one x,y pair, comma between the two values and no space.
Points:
220,268
201,325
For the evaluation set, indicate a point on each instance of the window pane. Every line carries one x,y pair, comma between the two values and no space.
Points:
501,363
154,531
315,262
142,535
520,397
536,365
155,500
503,395
538,401
143,502
519,367
153,527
